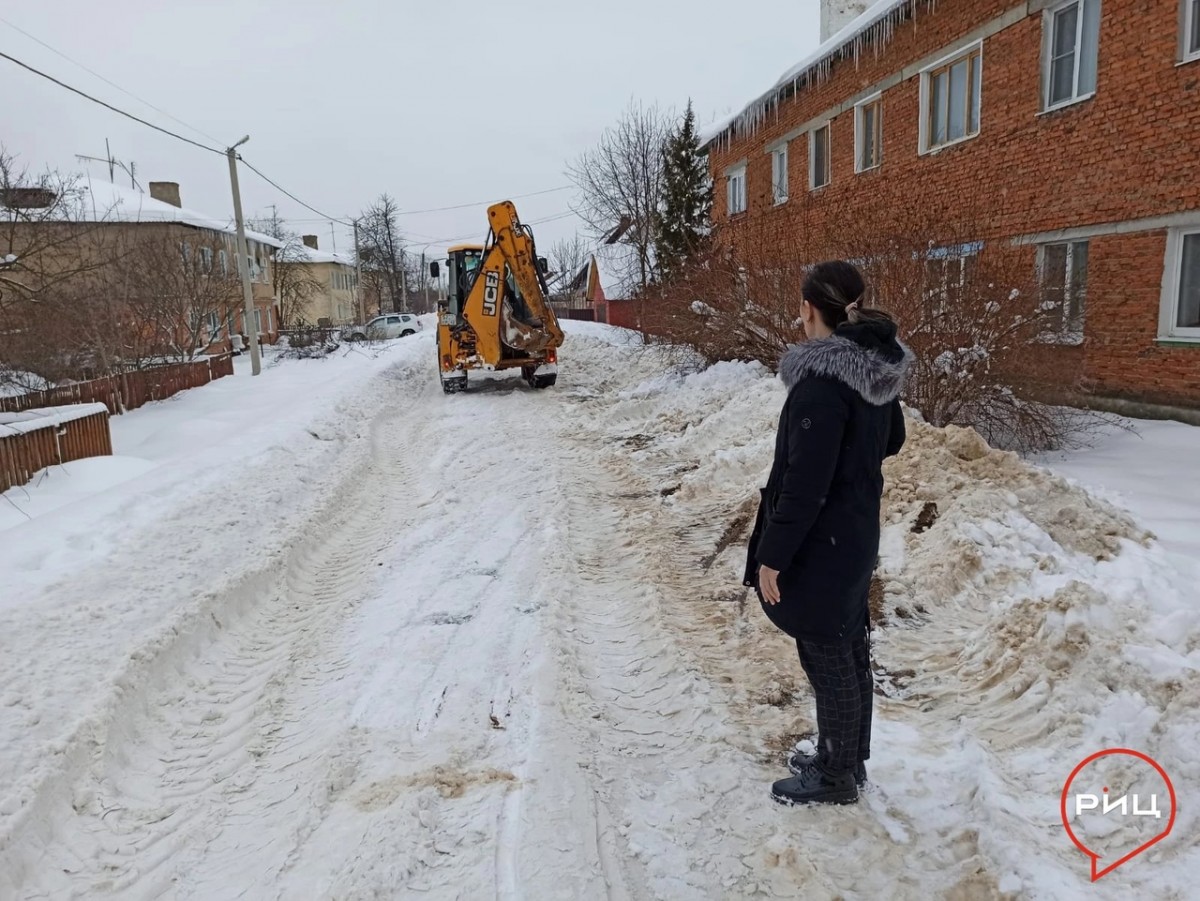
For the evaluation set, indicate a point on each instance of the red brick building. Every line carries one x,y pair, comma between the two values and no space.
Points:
1077,120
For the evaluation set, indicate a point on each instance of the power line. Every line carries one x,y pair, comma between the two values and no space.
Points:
109,106
556,217
113,84
275,185
463,206
324,218
172,134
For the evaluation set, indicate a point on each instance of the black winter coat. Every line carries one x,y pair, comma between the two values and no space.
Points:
818,521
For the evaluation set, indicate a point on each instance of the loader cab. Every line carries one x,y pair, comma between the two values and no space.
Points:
462,265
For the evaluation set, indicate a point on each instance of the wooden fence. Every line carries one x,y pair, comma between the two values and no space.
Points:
35,439
127,391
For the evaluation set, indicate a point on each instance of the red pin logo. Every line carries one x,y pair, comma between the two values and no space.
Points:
1141,806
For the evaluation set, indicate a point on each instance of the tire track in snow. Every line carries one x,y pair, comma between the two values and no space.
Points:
192,751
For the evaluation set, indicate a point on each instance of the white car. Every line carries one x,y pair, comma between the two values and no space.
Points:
393,325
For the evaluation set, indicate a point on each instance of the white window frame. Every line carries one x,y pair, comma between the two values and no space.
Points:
860,132
223,258
206,259
827,128
258,320
1048,17
1189,17
925,138
962,255
736,198
214,326
779,174
1064,334
1172,283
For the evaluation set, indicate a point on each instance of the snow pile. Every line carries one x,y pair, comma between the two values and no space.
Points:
1022,625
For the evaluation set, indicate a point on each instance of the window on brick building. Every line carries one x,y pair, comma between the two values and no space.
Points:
951,96
1181,293
1062,269
1190,20
948,273
206,258
736,191
818,157
214,326
868,134
779,174
1072,40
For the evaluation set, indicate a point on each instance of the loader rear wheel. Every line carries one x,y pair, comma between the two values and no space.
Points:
455,384
543,381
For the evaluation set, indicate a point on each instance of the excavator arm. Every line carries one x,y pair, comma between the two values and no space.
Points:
500,316
516,243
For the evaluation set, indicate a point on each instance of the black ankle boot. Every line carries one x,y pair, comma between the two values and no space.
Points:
798,760
814,786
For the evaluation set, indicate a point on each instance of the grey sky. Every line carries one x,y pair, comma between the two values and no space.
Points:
438,104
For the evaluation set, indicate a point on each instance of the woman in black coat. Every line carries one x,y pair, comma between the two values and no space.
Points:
816,540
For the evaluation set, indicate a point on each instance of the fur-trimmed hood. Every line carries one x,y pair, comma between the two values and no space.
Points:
872,364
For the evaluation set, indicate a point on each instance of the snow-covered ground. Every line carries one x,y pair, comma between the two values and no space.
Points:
333,634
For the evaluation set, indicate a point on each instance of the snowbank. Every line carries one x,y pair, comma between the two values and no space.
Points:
1021,626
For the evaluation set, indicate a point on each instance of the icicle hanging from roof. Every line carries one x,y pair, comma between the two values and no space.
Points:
875,28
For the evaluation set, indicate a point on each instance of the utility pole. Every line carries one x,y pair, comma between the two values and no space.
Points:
403,283
425,280
243,262
358,296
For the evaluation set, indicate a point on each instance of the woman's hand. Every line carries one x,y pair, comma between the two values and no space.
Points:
768,584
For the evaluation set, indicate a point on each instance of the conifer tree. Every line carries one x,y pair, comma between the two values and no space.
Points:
683,226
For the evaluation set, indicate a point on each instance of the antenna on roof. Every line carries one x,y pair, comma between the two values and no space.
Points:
113,164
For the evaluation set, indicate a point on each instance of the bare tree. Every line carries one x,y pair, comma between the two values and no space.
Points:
43,232
568,256
382,256
293,282
57,318
179,294
622,186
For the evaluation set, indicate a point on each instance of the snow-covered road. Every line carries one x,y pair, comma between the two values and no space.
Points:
397,644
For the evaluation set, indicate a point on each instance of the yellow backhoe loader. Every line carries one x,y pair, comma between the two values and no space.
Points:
496,314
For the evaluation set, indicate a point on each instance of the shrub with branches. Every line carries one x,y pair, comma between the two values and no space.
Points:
970,309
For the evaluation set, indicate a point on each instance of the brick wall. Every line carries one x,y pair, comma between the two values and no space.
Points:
1130,152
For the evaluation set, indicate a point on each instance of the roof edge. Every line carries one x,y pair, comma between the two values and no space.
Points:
874,27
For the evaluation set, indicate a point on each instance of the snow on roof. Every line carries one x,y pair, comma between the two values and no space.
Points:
102,201
875,27
43,418
617,269
305,254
